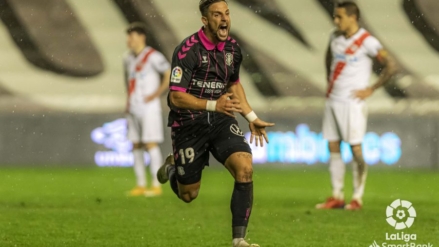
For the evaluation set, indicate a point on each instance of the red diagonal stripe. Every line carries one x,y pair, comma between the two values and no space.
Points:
357,43
337,71
131,86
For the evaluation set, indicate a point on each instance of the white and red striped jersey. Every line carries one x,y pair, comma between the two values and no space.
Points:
143,76
351,65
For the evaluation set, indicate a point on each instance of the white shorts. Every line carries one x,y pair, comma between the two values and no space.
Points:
145,129
345,121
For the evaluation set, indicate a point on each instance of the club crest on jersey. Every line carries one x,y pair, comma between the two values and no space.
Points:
229,59
176,75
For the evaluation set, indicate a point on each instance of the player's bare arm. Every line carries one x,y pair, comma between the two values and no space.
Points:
390,68
127,83
164,85
257,126
328,61
223,105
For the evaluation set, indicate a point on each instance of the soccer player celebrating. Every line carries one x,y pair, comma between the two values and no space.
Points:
144,67
205,92
349,66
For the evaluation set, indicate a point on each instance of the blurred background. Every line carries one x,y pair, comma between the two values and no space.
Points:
62,92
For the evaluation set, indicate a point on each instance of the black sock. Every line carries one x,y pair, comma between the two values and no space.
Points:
241,206
173,180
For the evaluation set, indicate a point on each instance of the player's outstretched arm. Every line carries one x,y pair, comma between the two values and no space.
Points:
390,69
223,105
257,126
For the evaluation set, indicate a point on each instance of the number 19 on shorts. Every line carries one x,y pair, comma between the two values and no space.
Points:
187,155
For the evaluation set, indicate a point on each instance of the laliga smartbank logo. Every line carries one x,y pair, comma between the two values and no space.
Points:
400,215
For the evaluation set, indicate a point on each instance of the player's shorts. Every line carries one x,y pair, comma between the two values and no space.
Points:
213,132
345,121
147,128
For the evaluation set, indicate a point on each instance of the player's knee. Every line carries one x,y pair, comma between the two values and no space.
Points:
244,174
150,146
188,193
357,151
189,196
137,145
334,147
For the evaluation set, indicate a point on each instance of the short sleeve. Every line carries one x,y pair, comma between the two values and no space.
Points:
373,46
237,60
160,63
183,65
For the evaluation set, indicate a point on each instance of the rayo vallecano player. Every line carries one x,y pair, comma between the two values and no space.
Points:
205,92
349,66
147,77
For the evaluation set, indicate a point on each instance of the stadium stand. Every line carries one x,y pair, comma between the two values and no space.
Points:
91,49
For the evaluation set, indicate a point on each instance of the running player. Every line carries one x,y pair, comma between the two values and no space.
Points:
205,92
349,65
147,76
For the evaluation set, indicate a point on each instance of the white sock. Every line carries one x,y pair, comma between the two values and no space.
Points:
359,182
156,162
139,167
337,169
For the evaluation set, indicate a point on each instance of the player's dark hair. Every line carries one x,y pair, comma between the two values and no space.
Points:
205,4
138,27
350,7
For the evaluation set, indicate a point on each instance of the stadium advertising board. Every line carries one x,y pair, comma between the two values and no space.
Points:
301,146
100,140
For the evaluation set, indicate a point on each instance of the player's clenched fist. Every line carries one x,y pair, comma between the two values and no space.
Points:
225,105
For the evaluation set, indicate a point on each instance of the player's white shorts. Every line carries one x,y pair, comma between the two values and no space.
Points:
145,129
345,121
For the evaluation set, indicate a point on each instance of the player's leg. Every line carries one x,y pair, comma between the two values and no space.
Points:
333,115
167,172
134,135
184,167
337,168
240,166
156,161
359,170
358,123
139,169
152,135
229,147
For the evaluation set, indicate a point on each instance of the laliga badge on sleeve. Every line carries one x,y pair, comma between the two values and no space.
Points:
176,75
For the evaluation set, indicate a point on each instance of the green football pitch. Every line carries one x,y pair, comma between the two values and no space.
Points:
88,207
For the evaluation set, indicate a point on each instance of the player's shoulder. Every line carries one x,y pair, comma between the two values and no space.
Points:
335,34
370,40
187,49
127,57
190,43
232,44
231,41
155,52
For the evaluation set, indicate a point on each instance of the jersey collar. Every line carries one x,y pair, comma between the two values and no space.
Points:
208,44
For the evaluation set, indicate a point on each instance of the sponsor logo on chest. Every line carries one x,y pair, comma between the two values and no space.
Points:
208,84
